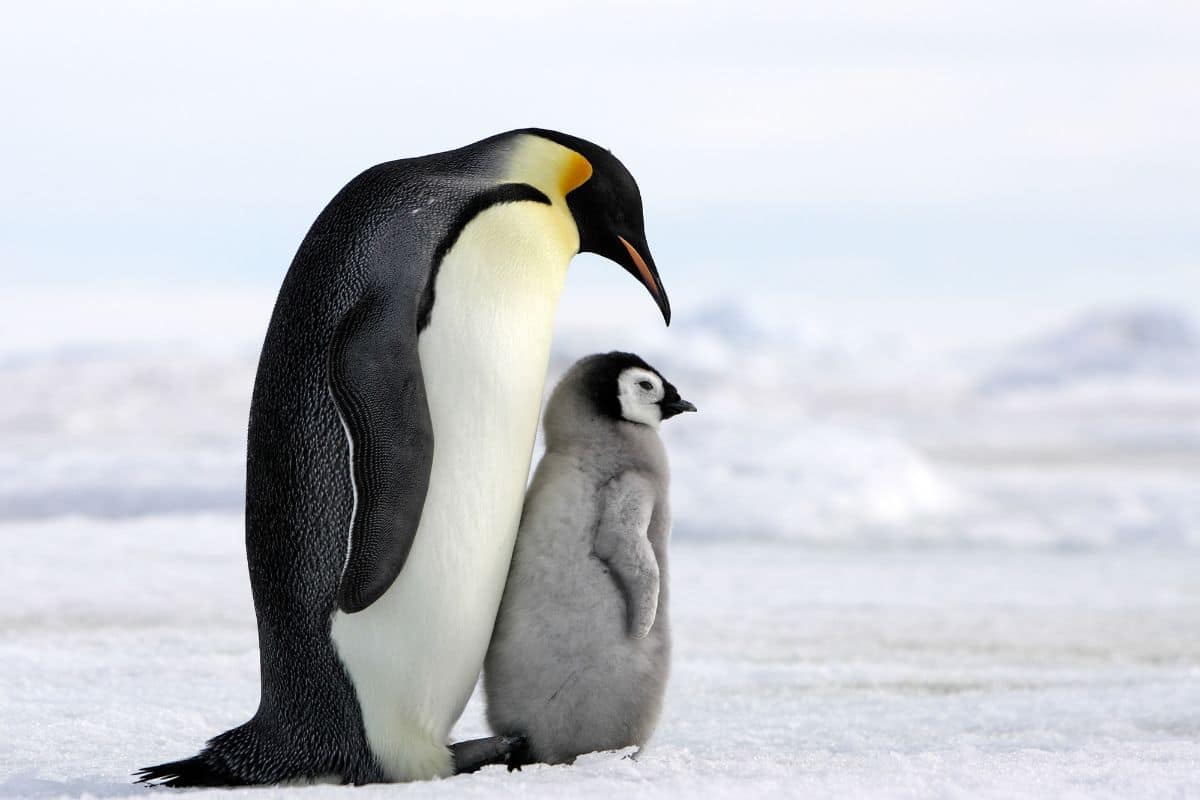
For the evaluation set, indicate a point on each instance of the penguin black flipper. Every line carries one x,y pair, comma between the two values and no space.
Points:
375,380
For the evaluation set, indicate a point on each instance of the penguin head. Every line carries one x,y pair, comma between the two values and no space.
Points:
607,208
625,388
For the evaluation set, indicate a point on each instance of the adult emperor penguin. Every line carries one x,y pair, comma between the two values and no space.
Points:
391,430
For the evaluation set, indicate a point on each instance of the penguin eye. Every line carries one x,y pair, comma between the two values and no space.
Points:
646,385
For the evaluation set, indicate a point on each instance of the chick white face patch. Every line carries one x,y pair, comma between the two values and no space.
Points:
640,392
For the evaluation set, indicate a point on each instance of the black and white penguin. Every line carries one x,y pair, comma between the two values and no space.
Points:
581,650
391,430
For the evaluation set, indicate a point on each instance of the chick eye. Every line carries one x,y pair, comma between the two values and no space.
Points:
646,385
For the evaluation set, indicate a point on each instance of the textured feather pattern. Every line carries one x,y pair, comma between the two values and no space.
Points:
581,650
379,238
414,655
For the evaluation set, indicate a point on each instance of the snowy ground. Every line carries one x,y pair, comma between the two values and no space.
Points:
898,571
799,671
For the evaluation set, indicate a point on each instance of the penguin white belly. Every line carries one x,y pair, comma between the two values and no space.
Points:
415,654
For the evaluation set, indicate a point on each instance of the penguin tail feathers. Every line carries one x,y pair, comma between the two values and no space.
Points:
251,755
194,771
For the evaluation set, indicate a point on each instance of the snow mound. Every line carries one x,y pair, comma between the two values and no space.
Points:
114,434
737,473
804,433
1109,347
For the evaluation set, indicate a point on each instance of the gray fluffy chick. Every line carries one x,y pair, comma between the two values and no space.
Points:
581,650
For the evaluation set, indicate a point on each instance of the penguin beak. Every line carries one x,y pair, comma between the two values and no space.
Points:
677,406
642,268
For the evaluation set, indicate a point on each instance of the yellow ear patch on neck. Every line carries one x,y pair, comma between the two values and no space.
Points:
547,166
576,172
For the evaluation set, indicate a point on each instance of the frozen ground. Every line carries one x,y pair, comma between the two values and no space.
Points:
799,671
899,570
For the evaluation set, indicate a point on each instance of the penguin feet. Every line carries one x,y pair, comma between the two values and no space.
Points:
519,756
472,755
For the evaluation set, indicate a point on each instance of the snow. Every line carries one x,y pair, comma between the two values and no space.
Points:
1140,341
899,570
798,671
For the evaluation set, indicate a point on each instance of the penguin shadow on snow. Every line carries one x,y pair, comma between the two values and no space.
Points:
30,786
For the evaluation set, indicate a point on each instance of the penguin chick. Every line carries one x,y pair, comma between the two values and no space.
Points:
579,657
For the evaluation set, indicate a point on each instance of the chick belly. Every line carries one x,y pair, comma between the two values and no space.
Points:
562,670
593,708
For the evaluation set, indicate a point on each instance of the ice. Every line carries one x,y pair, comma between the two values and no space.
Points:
898,569
798,671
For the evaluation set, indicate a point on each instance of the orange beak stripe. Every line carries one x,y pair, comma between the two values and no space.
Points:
643,270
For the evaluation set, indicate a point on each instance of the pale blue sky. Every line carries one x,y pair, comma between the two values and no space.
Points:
938,168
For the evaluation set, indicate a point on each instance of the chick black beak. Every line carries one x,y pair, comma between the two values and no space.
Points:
677,406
